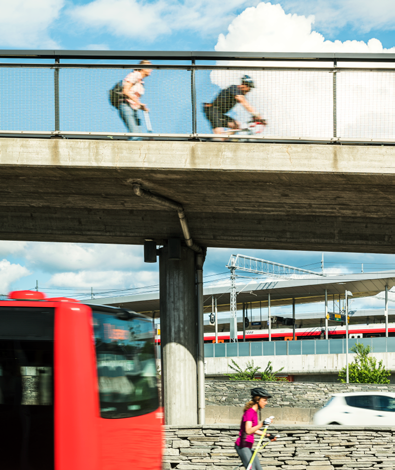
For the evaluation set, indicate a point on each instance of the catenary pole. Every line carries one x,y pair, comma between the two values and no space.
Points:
293,317
269,318
386,311
216,320
326,313
347,369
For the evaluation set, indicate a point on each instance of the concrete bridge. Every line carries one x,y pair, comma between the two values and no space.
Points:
273,196
332,191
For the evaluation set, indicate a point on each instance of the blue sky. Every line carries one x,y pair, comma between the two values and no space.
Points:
243,25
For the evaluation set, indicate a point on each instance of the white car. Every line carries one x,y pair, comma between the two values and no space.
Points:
358,409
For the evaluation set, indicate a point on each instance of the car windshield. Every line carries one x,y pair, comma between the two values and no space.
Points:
329,401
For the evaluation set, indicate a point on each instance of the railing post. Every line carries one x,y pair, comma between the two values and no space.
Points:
56,96
334,90
193,97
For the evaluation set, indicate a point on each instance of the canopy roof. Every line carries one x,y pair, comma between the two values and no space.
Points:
282,292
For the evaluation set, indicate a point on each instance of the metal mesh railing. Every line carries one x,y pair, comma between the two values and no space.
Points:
327,102
296,348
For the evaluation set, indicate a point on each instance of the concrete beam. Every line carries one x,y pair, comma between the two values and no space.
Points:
240,195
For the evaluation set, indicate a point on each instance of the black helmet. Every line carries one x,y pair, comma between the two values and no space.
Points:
247,80
260,392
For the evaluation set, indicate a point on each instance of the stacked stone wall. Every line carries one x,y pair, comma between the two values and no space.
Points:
284,394
298,448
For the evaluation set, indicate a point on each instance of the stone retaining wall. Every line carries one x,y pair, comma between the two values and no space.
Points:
285,394
298,448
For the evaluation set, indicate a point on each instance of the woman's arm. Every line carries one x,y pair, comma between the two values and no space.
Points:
250,429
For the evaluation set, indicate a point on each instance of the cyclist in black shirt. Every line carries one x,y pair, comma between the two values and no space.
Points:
216,111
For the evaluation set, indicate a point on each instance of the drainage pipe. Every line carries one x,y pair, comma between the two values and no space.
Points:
164,201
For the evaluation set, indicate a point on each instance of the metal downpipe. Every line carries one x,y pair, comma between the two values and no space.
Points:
139,191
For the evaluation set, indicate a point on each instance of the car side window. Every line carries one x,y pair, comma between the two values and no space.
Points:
383,403
360,401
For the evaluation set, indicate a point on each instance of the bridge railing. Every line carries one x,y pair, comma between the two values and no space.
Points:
304,97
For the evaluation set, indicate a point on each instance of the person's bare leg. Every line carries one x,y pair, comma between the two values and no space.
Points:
218,131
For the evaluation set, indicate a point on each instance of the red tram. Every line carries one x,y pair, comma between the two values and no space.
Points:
78,387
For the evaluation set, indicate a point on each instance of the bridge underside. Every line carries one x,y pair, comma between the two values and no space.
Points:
240,195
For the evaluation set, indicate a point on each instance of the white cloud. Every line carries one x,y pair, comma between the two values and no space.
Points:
300,104
58,257
10,273
96,47
148,20
267,28
127,18
103,279
361,15
11,248
26,23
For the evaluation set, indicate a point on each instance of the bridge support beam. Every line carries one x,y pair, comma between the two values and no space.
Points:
179,336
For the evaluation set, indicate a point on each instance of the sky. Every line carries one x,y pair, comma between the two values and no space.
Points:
236,25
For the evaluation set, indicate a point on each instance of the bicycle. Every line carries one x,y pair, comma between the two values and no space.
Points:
253,127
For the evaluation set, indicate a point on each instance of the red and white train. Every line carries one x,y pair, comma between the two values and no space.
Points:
281,334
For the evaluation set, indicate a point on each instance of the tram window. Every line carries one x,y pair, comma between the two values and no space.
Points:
26,388
125,365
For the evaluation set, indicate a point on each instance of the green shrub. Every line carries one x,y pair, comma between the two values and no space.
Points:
365,369
268,375
249,373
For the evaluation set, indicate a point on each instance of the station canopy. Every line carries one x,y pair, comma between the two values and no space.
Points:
282,292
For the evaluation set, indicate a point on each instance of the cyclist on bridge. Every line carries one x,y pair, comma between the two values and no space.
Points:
227,98
249,426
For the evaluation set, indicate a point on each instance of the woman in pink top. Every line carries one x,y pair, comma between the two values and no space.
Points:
250,426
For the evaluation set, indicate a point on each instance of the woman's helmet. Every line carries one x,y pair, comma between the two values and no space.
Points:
247,80
260,392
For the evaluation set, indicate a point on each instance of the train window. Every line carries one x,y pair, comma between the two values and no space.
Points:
26,388
126,366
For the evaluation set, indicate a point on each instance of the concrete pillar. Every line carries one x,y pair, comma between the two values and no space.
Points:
179,337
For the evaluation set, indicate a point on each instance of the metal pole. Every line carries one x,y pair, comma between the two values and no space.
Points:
233,305
193,97
386,311
326,313
244,321
36,286
347,371
293,316
200,368
334,101
56,96
269,318
216,320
